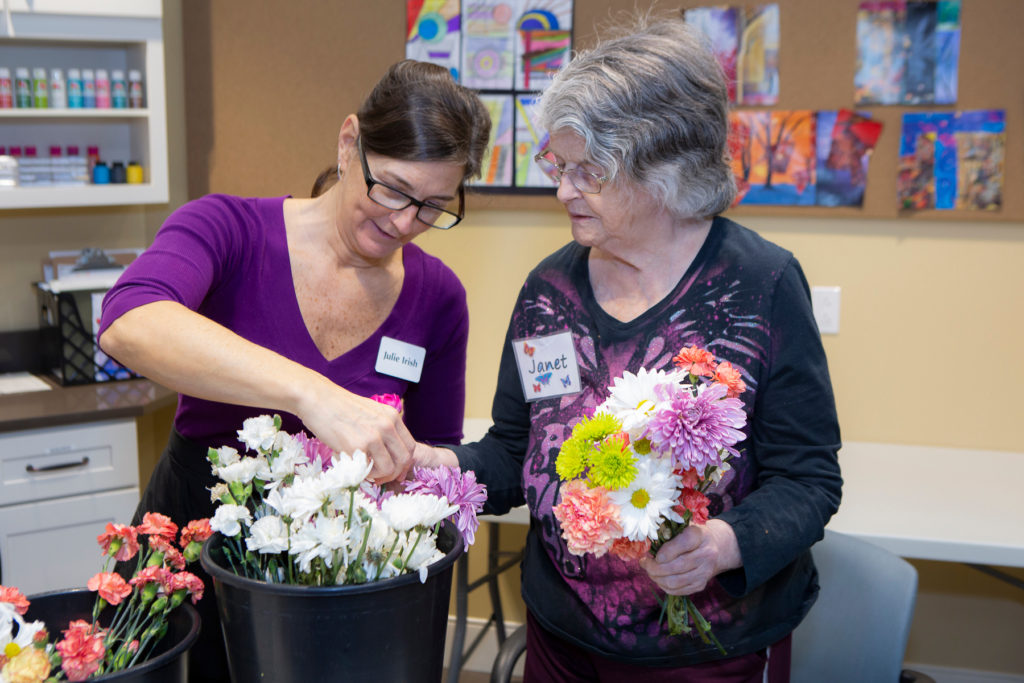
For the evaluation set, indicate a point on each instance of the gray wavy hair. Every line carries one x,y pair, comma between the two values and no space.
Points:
652,106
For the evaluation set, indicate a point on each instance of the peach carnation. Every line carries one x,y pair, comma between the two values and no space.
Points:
696,361
15,597
110,586
628,550
81,650
155,524
730,377
589,520
120,541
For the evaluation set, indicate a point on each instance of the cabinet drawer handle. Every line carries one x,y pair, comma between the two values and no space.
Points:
63,466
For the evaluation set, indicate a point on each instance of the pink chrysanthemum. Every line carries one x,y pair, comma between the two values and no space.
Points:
589,519
460,488
315,449
696,429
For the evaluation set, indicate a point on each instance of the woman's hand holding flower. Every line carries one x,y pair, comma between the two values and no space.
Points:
686,564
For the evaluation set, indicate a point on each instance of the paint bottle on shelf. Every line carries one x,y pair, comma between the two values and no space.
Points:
102,89
92,157
74,86
134,173
58,90
6,89
118,174
88,89
40,88
100,173
135,98
118,90
22,88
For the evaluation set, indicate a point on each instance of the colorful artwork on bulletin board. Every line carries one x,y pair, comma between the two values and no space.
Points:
907,52
844,142
496,168
530,139
774,157
745,41
433,33
952,160
514,44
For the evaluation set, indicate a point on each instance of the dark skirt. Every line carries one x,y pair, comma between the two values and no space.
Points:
180,488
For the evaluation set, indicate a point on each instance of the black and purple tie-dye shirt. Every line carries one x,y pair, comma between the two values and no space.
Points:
746,301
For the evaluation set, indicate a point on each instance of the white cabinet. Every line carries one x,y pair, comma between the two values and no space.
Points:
58,489
65,34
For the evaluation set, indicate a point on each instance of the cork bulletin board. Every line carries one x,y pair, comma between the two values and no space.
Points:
269,82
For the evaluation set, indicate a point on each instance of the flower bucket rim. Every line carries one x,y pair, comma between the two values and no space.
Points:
221,573
150,664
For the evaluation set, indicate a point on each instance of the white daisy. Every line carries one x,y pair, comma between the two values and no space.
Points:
648,500
268,535
632,398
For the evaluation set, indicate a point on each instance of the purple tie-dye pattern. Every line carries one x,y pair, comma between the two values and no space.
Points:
726,318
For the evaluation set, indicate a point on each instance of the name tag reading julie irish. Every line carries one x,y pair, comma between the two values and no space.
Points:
547,366
400,359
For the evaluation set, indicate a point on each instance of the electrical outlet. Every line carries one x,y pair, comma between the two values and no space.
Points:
825,301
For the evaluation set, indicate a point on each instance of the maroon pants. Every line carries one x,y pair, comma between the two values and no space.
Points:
550,659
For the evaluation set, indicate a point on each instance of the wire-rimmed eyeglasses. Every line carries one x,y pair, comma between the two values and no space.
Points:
582,180
396,200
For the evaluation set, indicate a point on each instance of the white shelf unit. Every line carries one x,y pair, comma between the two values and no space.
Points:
61,34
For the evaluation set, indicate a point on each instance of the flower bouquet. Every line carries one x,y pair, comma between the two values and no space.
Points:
636,472
128,618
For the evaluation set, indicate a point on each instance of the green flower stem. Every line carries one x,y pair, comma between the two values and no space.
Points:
380,567
413,549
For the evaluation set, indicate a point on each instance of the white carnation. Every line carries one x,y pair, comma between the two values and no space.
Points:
258,433
268,535
227,518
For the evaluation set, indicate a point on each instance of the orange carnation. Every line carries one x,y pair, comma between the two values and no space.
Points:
731,378
695,361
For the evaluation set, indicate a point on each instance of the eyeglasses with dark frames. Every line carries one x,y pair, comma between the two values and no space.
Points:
582,180
396,200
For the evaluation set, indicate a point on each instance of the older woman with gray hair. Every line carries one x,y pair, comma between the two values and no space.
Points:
637,147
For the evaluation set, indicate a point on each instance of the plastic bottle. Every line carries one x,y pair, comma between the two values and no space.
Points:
6,88
118,90
135,97
134,173
100,173
92,156
118,174
102,89
77,167
88,89
58,90
74,85
22,88
40,88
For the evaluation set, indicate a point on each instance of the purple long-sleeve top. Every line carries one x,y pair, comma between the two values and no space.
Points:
227,258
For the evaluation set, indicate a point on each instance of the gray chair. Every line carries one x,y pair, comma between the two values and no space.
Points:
857,630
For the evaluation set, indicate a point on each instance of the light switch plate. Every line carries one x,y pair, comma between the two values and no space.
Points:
825,301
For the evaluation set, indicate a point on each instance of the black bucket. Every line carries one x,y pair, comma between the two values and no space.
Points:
390,630
167,663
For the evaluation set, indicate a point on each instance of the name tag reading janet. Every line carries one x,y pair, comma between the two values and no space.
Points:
400,359
547,366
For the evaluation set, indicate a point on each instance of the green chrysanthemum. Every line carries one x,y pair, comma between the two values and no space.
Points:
572,458
597,428
642,446
612,464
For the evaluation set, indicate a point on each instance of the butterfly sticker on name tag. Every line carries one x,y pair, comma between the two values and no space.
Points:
547,366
